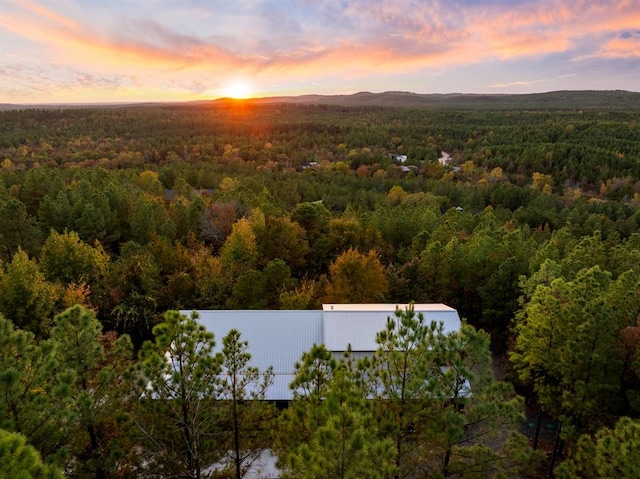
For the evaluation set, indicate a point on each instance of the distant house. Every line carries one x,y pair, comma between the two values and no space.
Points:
279,338
310,164
398,158
444,159
408,169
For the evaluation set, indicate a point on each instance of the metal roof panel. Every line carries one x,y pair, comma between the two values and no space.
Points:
276,338
359,328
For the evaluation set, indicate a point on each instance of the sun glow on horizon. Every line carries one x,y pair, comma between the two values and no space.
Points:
239,89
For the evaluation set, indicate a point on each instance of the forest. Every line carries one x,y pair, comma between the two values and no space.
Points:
114,217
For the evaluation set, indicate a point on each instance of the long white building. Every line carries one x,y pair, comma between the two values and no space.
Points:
279,338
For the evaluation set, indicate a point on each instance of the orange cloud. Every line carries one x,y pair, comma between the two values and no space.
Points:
74,43
422,39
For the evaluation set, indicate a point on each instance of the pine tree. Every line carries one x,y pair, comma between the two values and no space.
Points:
177,414
612,453
566,335
296,424
18,460
345,444
565,349
100,394
399,393
436,398
242,392
36,392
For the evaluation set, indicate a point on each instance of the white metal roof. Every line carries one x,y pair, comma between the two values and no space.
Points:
276,338
358,327
280,338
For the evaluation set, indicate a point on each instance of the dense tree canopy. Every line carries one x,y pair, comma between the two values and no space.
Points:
530,229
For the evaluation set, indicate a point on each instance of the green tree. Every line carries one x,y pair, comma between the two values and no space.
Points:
248,291
18,229
56,212
434,267
134,280
242,390
240,250
26,297
612,453
36,394
281,238
186,215
277,279
345,444
148,218
178,385
566,350
261,289
476,415
99,392
64,257
398,391
436,398
296,424
92,217
500,293
313,217
36,184
18,460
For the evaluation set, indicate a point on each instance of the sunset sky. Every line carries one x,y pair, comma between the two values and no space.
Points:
54,51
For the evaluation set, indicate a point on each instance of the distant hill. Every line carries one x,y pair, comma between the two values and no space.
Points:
615,99
561,100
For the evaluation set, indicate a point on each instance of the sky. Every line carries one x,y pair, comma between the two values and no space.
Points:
78,51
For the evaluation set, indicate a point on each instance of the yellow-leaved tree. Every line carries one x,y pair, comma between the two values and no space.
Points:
356,277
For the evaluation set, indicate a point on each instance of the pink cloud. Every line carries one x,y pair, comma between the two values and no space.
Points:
552,26
621,48
366,38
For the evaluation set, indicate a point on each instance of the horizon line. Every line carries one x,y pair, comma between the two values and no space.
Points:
321,95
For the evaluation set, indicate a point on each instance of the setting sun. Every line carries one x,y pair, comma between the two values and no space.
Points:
239,90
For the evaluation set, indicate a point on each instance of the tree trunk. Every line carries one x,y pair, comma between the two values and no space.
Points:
95,453
445,464
536,435
236,438
557,449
